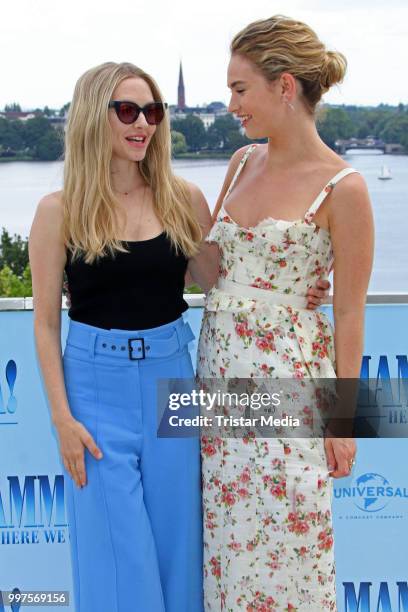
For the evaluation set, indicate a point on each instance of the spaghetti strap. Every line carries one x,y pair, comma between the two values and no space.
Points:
310,213
239,169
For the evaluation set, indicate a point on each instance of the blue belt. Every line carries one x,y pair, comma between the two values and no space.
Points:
131,345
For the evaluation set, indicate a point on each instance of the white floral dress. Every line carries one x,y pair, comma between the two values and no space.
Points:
268,536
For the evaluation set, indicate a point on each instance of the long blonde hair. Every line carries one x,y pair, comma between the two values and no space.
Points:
280,44
90,225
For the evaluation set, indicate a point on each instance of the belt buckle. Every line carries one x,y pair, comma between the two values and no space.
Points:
131,349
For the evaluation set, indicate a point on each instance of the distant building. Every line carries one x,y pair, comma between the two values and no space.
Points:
207,113
181,96
19,115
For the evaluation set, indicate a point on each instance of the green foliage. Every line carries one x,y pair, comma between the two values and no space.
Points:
38,139
11,135
13,107
13,286
334,123
50,146
64,109
396,129
225,134
13,253
15,273
193,130
193,289
178,143
35,137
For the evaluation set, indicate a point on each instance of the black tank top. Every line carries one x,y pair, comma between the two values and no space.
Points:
136,290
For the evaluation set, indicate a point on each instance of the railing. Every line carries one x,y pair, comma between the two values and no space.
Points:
196,300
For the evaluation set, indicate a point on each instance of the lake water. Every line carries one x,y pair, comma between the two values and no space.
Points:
22,184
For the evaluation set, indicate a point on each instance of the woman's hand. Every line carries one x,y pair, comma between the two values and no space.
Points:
316,296
67,294
340,453
74,438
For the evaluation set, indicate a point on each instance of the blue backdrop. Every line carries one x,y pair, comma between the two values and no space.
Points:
370,507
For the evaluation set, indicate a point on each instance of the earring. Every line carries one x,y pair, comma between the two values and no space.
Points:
288,103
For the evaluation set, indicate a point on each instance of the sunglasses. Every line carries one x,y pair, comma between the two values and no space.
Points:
128,112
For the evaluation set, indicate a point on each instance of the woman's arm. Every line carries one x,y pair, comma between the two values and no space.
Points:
47,261
352,233
203,267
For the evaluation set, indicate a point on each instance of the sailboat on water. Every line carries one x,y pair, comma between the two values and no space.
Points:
385,174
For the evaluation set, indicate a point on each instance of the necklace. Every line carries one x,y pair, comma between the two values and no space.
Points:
125,193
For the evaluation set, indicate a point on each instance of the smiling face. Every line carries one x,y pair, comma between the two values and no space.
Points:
130,142
255,100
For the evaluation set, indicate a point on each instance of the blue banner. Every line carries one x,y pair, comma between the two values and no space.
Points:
370,506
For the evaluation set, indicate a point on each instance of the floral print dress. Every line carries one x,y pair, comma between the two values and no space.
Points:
268,535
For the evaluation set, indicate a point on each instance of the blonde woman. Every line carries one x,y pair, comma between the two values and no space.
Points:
288,210
123,228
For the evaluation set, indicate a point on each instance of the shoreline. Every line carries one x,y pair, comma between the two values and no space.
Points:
188,156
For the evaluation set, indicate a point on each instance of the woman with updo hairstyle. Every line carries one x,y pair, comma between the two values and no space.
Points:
289,212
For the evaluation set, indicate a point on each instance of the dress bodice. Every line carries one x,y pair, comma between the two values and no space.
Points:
286,257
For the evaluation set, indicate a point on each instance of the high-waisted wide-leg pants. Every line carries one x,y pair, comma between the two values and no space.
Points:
135,527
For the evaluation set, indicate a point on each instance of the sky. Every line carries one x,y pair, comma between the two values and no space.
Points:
45,45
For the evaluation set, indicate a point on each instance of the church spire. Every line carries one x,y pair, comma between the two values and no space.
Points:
181,98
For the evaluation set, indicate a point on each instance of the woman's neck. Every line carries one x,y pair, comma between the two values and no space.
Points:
126,176
296,144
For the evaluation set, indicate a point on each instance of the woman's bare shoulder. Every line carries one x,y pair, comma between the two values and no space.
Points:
49,215
51,201
51,207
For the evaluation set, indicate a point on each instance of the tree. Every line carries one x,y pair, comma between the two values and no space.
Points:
193,130
13,286
50,146
333,124
13,253
34,129
396,129
225,134
11,134
218,132
178,143
64,109
13,107
15,273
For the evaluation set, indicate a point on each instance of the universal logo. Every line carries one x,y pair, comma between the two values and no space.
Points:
371,492
8,401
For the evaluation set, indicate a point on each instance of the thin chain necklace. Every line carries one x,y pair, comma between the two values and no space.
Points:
125,193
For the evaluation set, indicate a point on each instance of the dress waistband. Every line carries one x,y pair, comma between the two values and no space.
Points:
157,342
264,295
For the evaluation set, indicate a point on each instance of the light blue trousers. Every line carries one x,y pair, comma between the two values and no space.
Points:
135,528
